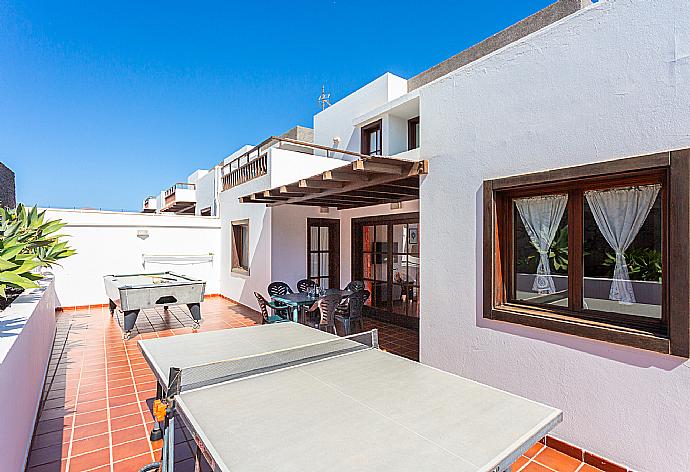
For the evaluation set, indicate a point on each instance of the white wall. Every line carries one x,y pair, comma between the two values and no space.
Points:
107,243
206,189
289,243
284,167
27,330
240,287
610,81
336,120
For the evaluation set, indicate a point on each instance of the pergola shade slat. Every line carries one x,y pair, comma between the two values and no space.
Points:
364,182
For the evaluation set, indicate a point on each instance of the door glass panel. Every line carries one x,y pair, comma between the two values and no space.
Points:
368,266
314,238
323,238
413,238
381,269
368,238
623,279
324,264
400,238
313,264
541,250
381,236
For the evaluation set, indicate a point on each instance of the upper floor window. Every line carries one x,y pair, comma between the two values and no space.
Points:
371,139
591,251
413,133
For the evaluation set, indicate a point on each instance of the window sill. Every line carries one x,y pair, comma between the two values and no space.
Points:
578,327
240,271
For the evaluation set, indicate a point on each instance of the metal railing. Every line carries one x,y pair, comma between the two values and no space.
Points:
254,163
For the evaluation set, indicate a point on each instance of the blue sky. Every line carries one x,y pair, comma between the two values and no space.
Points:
103,104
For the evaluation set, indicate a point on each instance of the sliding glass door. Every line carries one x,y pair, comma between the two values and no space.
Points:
386,258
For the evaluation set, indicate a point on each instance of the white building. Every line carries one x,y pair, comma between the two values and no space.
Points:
538,137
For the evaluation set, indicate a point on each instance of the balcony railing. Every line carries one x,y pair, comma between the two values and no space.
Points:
150,204
170,193
246,172
254,163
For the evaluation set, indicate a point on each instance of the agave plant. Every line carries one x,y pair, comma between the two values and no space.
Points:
28,242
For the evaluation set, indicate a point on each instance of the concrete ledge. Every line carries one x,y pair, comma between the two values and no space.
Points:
529,25
27,330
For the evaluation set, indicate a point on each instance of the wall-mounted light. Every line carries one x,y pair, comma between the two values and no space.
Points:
142,234
396,205
324,210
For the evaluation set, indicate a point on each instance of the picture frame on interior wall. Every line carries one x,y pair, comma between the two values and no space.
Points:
671,172
240,247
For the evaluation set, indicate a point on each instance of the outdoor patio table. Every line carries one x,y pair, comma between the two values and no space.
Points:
299,300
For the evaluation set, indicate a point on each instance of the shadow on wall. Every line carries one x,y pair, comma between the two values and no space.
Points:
614,352
252,283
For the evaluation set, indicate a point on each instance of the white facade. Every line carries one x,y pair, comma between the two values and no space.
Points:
126,243
610,81
333,127
284,167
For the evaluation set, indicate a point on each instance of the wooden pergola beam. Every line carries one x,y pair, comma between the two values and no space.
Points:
414,168
395,168
314,183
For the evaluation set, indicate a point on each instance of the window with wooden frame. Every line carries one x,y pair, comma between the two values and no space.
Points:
240,246
413,133
599,251
371,139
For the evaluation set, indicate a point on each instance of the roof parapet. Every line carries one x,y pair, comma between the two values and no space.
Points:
529,25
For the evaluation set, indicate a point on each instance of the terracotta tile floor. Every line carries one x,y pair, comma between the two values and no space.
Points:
96,404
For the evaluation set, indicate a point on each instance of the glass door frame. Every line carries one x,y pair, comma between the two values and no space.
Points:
333,251
357,265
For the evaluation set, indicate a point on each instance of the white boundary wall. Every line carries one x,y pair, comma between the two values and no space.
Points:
26,341
108,243
610,81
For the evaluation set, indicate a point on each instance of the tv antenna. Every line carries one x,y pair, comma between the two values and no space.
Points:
324,98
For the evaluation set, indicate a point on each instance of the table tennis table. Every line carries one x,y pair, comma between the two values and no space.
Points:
286,397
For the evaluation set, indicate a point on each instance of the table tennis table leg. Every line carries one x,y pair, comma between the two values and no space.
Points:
197,459
156,432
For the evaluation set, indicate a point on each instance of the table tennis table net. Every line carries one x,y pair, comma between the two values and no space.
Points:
191,378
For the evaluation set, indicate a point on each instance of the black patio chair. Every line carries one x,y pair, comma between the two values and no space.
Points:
304,284
323,312
355,286
276,289
353,311
264,305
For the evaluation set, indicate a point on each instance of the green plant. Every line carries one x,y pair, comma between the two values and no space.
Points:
28,242
558,254
643,264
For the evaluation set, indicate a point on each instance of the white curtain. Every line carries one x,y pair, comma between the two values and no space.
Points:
541,217
619,214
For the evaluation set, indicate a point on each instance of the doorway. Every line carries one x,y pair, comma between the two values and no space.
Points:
323,252
386,257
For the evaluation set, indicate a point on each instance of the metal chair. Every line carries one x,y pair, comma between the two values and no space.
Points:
325,308
355,286
276,289
353,311
264,305
304,284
